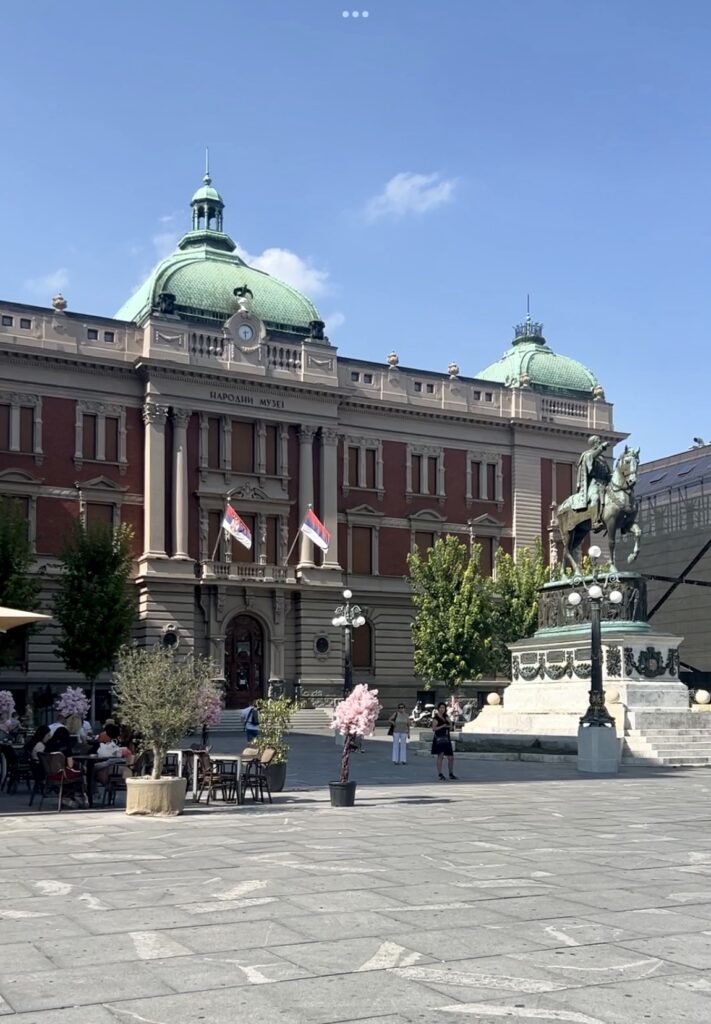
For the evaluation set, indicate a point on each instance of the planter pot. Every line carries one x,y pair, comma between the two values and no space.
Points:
276,773
342,793
155,796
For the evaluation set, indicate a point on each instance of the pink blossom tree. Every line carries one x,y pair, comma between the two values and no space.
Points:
356,715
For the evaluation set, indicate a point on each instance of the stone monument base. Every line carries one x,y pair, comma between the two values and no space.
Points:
598,750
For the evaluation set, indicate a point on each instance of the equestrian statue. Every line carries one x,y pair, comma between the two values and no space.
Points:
604,502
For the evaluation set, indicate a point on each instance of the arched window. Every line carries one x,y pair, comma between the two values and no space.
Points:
363,648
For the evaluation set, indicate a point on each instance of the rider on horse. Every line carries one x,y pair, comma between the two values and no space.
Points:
593,477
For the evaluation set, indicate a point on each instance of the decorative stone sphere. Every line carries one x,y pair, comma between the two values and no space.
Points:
493,699
59,302
393,359
612,696
702,697
453,370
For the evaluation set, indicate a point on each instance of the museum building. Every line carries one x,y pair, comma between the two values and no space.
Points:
215,378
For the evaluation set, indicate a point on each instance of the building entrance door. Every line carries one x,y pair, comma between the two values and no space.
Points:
244,662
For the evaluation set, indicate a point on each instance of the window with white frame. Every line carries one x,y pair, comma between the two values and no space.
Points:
249,447
363,540
100,434
424,471
363,464
484,477
21,424
100,502
21,490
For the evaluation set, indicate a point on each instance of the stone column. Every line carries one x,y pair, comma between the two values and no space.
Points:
306,489
181,418
329,493
154,480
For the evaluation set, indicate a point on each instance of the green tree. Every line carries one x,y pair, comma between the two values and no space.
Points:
95,604
18,589
451,630
160,694
514,613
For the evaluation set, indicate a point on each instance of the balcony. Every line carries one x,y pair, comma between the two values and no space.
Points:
241,572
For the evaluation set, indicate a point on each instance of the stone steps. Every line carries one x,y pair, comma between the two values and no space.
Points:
668,746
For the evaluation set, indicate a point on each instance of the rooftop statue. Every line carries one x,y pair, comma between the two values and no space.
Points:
603,503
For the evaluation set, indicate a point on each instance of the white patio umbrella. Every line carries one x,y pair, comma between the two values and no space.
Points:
11,617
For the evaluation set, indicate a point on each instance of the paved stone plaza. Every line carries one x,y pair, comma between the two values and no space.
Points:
522,892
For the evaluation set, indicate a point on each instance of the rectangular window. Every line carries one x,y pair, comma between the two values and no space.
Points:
7,321
370,456
111,439
9,504
25,324
418,386
487,555
430,389
99,515
242,447
416,463
214,528
88,429
239,552
353,454
367,378
477,396
214,445
355,376
362,651
4,427
92,335
432,474
491,481
423,542
109,337
362,539
476,480
488,396
27,428
271,441
563,481
272,535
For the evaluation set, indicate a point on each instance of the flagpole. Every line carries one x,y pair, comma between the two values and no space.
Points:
222,530
293,544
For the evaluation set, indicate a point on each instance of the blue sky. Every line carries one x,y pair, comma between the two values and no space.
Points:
417,171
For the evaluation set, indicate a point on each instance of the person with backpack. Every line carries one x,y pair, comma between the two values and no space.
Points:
250,716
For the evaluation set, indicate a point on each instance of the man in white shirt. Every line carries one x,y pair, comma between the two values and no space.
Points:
250,717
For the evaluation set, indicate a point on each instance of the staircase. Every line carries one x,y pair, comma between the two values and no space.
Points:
311,720
231,721
687,744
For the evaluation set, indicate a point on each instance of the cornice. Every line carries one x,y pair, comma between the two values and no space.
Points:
149,371
93,367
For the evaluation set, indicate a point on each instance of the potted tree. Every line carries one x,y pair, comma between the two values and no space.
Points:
355,716
274,721
159,697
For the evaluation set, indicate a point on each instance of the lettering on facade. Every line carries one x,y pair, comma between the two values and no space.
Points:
253,400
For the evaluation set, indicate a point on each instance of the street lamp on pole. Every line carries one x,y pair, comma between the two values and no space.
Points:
348,617
601,586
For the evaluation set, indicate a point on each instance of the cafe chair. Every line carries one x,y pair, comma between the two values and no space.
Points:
255,775
115,783
54,767
216,775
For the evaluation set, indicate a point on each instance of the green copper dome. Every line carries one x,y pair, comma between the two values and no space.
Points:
530,362
199,280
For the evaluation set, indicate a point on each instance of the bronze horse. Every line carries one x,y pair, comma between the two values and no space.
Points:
619,513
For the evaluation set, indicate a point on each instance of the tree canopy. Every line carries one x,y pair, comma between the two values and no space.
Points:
95,604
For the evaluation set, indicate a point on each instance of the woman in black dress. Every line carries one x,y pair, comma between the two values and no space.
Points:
441,743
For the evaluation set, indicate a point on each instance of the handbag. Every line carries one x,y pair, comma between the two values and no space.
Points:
391,729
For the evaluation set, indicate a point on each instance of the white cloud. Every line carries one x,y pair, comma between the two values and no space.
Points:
334,320
410,193
49,284
165,240
288,267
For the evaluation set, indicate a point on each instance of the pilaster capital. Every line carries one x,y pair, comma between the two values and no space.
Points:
181,417
330,435
154,414
307,433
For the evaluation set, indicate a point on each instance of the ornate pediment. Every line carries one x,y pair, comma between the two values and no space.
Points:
427,515
249,490
363,510
100,483
19,478
487,520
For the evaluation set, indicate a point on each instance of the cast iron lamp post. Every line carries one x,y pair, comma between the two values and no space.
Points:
601,586
348,617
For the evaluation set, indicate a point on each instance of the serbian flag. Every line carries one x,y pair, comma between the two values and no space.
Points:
236,527
315,530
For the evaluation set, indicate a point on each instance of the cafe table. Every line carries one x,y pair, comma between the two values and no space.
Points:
235,759
183,753
90,761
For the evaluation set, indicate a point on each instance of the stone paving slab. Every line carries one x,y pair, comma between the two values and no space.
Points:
523,892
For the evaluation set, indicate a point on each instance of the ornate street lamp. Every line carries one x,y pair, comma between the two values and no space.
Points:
348,617
601,586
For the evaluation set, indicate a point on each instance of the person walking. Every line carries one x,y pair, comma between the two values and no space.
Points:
400,728
441,742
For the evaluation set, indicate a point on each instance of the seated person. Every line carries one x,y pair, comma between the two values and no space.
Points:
60,742
111,748
58,722
37,743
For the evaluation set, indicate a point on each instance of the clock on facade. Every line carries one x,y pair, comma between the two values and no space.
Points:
245,332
